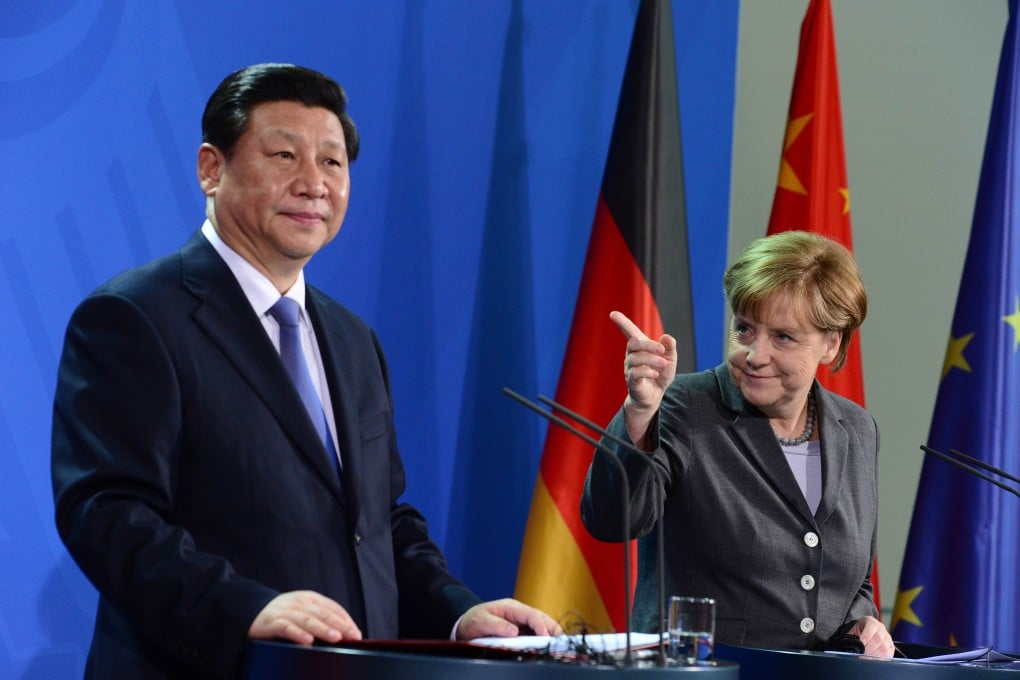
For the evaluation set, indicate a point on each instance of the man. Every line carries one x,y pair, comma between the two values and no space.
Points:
193,486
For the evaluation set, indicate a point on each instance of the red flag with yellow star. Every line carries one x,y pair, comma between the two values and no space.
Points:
812,193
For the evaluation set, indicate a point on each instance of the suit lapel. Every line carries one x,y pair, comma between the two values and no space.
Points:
225,315
835,449
336,356
752,430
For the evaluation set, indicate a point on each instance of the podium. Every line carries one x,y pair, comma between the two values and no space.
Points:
410,660
771,663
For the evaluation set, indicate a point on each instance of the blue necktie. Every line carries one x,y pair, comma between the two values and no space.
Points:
287,312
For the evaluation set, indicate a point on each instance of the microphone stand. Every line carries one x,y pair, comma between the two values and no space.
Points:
598,445
973,470
628,657
659,532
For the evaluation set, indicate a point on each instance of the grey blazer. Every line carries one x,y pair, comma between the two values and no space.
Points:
737,526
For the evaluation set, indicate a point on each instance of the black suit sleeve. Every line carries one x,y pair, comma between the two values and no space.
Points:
430,598
116,449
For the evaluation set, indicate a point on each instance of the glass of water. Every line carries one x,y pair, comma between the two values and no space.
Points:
691,629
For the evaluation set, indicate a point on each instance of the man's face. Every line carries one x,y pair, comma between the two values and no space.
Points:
282,194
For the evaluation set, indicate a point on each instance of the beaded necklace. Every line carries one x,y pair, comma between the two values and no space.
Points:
809,427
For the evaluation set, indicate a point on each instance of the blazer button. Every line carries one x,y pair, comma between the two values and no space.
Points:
807,625
807,581
811,539
357,540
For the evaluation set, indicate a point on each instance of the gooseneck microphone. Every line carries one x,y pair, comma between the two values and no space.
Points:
556,420
972,464
659,532
625,499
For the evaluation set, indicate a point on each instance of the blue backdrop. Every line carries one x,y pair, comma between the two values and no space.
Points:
484,131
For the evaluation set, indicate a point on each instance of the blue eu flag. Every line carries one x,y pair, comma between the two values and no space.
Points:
961,572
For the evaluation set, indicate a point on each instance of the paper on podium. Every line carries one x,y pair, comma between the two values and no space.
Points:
565,644
981,655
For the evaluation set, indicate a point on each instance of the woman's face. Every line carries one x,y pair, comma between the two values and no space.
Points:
773,359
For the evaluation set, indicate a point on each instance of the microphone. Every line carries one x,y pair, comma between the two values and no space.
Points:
556,420
974,463
625,497
659,532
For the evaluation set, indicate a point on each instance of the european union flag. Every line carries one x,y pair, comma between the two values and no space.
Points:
961,572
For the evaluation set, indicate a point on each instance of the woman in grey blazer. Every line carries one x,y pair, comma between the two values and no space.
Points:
766,483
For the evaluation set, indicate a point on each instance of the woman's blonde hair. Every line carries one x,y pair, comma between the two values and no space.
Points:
808,267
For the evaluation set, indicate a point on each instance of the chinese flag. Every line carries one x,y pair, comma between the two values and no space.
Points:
637,264
812,193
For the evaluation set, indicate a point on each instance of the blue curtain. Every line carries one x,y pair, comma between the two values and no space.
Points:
485,128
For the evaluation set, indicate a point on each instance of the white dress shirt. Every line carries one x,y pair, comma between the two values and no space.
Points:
261,295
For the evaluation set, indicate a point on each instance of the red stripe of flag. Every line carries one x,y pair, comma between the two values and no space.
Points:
637,263
812,192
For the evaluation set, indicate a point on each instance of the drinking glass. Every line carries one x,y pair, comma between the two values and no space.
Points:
691,629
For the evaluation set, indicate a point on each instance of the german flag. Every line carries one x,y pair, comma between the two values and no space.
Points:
636,263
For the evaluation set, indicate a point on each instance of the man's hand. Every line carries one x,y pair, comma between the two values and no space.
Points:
303,616
874,636
504,618
649,367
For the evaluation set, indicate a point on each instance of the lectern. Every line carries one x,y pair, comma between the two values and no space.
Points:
441,661
770,663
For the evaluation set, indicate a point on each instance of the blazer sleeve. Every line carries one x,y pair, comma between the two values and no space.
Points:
648,477
114,463
864,600
430,598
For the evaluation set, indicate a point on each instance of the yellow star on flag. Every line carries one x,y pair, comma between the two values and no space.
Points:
902,610
794,128
845,193
954,355
787,177
1014,321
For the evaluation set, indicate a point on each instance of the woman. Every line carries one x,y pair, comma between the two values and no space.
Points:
766,482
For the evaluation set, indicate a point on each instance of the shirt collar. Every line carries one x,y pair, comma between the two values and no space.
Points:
258,289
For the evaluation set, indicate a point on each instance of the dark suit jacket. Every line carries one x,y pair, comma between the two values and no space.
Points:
191,487
737,526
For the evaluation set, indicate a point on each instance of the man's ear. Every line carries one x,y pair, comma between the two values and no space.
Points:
210,166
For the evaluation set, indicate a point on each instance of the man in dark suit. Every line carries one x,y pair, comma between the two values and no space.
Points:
195,489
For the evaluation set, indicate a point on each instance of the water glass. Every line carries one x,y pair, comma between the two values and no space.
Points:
691,629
